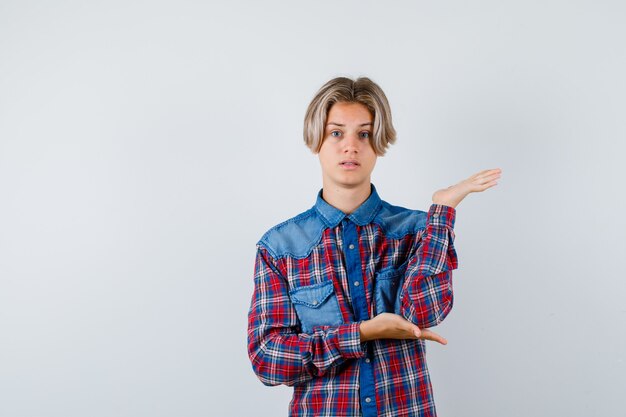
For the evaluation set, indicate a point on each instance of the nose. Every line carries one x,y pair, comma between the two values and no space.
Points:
351,143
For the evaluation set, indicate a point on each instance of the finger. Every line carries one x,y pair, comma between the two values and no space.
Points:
487,172
479,174
483,187
430,335
490,173
486,179
490,178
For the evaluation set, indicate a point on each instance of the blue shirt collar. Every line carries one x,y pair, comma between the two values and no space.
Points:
363,215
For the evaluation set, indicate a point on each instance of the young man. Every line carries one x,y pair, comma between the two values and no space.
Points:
345,292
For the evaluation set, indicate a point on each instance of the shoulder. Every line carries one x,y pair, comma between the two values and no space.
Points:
295,236
397,221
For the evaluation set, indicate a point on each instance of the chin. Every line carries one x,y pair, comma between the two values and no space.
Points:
351,182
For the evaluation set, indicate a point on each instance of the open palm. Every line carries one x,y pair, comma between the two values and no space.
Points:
478,182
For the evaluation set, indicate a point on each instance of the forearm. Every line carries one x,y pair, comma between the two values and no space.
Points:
429,300
282,357
426,295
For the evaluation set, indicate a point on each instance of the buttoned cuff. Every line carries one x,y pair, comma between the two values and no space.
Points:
441,215
350,344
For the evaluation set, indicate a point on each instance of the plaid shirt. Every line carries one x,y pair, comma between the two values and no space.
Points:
322,272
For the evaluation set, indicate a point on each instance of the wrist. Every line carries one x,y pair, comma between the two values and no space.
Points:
450,196
445,203
365,330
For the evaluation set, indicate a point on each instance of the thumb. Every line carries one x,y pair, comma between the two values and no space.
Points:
416,331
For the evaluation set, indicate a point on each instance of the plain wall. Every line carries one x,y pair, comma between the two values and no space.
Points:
145,147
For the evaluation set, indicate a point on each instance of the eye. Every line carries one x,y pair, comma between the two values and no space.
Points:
335,135
365,135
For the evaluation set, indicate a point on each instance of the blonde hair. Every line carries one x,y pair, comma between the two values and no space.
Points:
342,89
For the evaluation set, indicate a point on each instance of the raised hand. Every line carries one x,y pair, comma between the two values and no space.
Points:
478,182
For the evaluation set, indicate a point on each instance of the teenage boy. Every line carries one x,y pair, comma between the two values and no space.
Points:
345,292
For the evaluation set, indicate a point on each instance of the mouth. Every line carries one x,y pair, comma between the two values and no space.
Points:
348,164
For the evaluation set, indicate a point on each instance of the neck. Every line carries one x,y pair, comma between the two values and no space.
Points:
346,199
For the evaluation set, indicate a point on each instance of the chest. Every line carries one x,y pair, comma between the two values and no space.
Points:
346,263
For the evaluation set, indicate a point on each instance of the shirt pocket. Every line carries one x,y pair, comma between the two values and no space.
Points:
387,284
316,305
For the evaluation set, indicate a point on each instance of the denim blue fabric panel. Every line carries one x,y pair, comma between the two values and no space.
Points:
398,221
316,305
387,283
294,237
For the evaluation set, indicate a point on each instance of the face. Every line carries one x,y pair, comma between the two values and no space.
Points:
346,155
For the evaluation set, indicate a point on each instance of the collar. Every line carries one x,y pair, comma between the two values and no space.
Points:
363,215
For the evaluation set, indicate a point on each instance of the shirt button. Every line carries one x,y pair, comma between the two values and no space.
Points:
351,246
356,283
368,399
436,215
367,360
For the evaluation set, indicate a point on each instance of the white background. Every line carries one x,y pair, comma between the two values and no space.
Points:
145,147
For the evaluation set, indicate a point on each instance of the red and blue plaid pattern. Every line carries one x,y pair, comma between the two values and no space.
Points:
333,373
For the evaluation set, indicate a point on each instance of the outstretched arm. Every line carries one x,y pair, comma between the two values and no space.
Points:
426,295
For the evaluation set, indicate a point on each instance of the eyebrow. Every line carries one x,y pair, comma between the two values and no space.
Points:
339,124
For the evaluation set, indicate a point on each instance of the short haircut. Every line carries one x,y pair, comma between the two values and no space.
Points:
342,89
